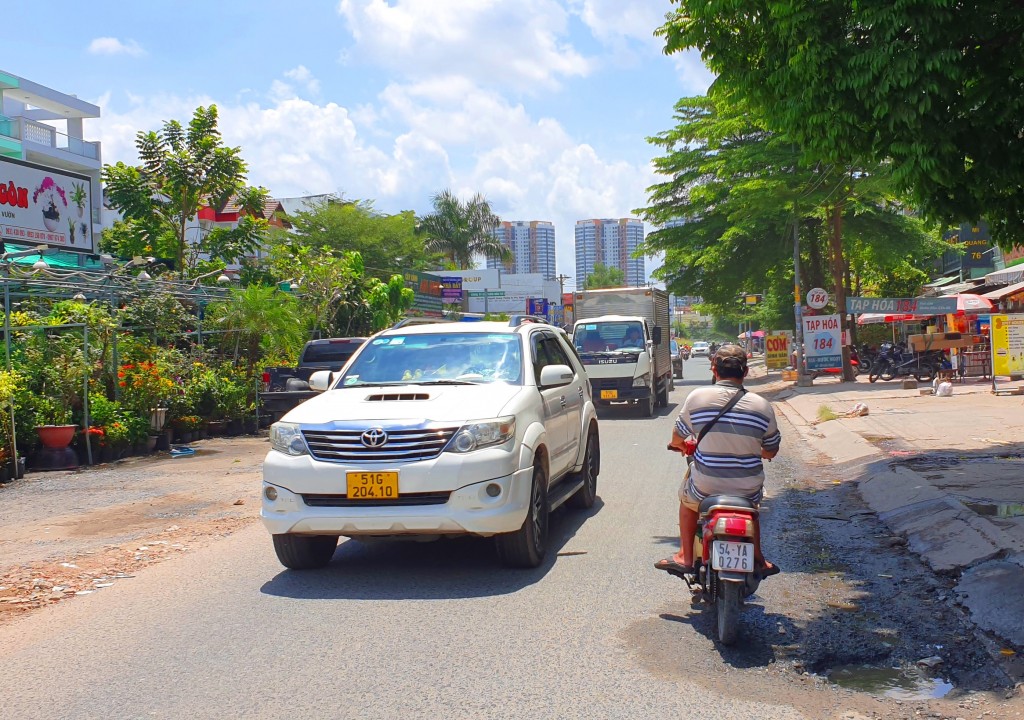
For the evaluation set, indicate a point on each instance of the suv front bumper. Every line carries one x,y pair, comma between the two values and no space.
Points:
468,509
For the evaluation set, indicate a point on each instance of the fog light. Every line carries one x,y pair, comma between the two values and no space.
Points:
270,493
494,489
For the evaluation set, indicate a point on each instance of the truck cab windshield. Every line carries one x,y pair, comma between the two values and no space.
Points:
609,337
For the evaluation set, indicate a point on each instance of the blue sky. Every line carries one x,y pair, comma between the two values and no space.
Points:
542,105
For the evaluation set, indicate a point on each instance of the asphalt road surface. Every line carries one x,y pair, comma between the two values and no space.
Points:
419,630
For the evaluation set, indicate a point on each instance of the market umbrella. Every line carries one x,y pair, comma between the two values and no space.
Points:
968,303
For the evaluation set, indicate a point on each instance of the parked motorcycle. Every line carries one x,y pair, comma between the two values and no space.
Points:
894,361
724,558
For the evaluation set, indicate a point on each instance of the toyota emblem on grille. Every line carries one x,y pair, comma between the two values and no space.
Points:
374,438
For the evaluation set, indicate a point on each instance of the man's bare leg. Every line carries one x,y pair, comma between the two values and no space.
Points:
687,529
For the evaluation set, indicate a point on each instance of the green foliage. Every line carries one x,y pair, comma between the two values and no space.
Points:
604,276
258,317
461,229
931,86
739,185
181,170
387,243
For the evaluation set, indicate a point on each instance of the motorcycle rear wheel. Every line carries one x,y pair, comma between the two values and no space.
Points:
888,372
728,606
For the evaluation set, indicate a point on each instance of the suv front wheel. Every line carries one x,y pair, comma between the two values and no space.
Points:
525,547
305,552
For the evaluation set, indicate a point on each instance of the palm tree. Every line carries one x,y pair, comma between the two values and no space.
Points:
461,229
259,317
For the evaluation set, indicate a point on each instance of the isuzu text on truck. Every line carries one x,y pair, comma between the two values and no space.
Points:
622,336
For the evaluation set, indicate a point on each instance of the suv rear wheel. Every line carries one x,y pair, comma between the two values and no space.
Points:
525,547
305,552
584,497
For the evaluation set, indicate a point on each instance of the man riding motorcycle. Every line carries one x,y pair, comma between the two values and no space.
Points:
728,458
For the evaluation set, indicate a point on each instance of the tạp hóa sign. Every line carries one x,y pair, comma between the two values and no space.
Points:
904,306
823,342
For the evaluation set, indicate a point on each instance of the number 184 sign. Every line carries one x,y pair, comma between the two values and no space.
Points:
823,342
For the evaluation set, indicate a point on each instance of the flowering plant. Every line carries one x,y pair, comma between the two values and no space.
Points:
118,434
187,423
143,386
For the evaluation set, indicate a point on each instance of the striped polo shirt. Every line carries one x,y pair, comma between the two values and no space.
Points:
728,459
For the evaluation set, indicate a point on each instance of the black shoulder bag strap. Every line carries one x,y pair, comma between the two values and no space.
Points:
728,406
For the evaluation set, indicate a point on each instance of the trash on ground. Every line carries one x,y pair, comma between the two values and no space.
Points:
181,451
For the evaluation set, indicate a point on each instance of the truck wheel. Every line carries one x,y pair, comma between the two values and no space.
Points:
305,552
647,405
525,547
584,498
663,394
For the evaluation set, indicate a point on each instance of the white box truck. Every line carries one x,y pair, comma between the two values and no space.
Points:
623,338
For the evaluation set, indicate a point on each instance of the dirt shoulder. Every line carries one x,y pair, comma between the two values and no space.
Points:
68,533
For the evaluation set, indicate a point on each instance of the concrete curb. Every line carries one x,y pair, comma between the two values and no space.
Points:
948,536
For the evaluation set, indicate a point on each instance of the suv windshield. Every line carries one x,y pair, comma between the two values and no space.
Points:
609,337
437,358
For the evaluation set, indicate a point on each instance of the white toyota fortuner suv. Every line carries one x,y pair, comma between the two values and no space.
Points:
477,428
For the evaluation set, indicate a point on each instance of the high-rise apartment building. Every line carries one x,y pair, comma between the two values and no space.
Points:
611,243
532,243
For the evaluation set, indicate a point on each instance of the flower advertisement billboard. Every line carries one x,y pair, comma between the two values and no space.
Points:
41,206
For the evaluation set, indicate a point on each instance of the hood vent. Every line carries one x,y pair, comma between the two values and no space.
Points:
388,397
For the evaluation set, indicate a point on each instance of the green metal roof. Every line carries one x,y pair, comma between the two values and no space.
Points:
59,260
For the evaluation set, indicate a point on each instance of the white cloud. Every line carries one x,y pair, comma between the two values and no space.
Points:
303,76
613,20
422,138
113,46
520,43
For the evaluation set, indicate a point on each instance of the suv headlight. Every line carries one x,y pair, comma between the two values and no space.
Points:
483,433
287,438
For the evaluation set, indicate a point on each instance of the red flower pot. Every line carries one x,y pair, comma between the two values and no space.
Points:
56,437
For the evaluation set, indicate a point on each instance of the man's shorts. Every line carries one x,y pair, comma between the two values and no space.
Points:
691,497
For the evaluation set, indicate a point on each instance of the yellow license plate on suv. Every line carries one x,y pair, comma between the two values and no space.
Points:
609,394
372,485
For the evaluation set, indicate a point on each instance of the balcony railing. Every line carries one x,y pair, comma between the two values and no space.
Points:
41,134
10,128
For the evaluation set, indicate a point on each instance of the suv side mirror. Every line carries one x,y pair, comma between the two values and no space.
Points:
555,376
321,380
656,335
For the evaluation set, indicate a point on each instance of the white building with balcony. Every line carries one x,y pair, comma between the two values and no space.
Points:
43,127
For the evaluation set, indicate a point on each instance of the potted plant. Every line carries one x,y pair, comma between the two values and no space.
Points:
78,197
53,423
10,385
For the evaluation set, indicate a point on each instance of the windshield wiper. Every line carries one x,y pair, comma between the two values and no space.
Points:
369,384
443,382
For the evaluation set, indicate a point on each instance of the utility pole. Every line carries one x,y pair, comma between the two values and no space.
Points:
561,283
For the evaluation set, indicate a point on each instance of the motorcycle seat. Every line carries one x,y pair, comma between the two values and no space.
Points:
734,500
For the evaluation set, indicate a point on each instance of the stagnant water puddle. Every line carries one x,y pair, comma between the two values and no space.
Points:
895,683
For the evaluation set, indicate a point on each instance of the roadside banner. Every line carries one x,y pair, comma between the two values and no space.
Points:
43,206
451,288
823,342
776,351
1008,344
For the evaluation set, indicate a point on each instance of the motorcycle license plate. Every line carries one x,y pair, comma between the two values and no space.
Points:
732,556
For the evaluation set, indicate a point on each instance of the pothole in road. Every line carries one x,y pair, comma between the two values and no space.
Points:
895,683
996,509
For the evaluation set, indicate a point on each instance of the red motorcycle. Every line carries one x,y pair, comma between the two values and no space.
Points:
724,558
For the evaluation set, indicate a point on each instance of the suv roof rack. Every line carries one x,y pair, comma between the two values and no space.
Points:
419,321
517,320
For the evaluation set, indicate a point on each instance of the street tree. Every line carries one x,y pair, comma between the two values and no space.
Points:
931,86
181,169
387,243
461,229
604,276
741,187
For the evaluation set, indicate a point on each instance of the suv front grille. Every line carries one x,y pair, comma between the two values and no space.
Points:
401,446
427,498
